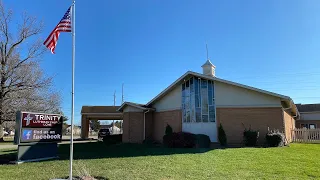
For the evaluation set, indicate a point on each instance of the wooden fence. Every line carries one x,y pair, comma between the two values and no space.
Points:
305,135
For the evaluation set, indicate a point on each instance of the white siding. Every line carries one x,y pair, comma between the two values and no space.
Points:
171,101
310,116
132,109
208,128
227,95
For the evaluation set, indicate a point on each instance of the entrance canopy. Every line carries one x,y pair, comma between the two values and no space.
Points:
97,113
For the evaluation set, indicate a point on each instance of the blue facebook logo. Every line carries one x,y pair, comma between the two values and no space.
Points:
27,134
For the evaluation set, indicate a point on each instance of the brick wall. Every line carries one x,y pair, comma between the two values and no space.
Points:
125,127
133,127
259,119
289,125
84,127
149,125
161,119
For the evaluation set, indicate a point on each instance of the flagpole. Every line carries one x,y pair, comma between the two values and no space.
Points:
72,91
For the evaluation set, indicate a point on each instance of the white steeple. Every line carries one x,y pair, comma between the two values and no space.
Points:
208,68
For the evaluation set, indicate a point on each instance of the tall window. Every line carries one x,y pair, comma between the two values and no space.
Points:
198,100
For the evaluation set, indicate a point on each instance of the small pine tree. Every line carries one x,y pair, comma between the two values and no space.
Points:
168,130
222,136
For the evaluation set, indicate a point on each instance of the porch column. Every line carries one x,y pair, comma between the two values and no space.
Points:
84,127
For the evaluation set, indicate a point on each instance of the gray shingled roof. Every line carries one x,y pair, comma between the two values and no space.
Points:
308,107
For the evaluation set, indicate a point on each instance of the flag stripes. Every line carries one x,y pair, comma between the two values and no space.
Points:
63,26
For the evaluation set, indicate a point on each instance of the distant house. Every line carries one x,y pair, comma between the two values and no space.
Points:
76,129
309,116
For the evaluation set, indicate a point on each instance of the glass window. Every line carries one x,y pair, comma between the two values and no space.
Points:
198,103
183,103
196,85
188,116
205,118
192,101
204,97
198,114
304,125
212,114
210,93
312,126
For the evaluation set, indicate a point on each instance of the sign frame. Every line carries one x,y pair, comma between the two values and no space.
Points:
41,149
19,127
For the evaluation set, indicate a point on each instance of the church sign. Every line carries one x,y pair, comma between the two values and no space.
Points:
37,135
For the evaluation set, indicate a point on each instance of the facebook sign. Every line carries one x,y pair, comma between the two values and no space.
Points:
37,135
38,127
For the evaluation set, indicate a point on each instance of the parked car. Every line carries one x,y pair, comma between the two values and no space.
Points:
103,132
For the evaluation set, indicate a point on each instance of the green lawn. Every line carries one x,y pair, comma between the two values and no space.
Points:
299,161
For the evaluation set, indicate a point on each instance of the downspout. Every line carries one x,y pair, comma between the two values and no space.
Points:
144,124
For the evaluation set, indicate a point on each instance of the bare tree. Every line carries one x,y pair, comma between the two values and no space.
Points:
22,82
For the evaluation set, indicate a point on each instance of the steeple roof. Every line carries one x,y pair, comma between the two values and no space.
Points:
208,63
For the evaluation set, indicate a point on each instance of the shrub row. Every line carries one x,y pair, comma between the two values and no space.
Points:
275,139
250,137
186,140
112,139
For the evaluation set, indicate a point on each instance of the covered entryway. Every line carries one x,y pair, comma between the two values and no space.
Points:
97,113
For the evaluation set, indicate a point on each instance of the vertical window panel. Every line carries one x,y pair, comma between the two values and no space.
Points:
210,93
205,118
198,114
183,98
204,97
192,101
198,103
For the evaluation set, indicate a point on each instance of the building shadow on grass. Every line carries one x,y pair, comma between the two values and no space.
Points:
8,157
97,150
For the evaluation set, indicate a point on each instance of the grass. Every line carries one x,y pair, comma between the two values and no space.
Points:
129,161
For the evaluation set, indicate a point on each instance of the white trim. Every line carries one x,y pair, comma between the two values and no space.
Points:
133,105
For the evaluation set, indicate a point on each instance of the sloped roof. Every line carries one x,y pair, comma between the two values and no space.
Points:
207,63
215,79
99,109
190,73
136,105
308,107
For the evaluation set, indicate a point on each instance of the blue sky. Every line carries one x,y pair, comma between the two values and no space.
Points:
273,45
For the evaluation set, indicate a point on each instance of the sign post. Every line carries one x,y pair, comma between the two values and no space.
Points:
37,135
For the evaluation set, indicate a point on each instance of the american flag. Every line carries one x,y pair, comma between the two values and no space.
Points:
63,26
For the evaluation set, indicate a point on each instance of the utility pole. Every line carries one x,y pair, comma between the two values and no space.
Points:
122,94
114,98
114,104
